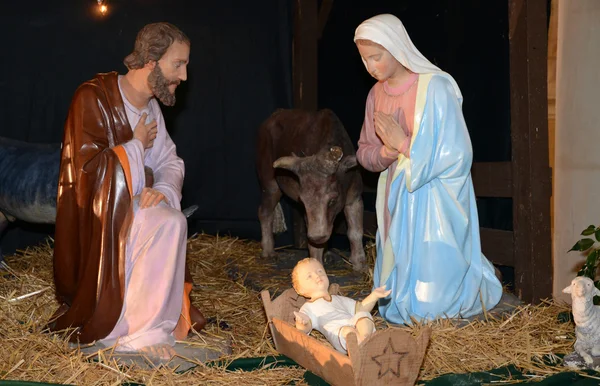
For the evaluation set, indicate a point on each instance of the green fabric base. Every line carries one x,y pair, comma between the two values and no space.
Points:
472,379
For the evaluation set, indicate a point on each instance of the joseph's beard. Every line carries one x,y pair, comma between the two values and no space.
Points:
160,86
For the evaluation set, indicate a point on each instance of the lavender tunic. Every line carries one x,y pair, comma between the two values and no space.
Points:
156,247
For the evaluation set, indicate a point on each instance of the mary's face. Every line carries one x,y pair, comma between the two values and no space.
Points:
380,63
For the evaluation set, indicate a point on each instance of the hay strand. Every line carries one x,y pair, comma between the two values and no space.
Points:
530,338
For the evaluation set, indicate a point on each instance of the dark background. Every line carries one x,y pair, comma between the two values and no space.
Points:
240,72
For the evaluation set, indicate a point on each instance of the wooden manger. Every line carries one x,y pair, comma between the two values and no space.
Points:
388,357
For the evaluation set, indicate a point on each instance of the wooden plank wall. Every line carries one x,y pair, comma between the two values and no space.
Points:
305,81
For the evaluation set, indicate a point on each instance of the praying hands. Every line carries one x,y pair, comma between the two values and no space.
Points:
389,131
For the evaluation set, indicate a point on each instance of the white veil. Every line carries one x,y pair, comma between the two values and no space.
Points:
388,31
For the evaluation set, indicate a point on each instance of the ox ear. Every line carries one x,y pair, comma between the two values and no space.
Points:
347,163
596,291
335,154
567,290
290,163
329,160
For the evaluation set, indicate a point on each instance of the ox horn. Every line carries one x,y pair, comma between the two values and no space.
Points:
288,162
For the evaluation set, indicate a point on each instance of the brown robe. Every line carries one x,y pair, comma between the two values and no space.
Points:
94,214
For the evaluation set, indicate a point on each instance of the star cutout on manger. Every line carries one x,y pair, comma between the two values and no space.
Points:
389,360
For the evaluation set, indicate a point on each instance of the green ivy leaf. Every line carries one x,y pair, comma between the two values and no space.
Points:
590,267
582,245
597,235
589,230
591,264
590,271
592,258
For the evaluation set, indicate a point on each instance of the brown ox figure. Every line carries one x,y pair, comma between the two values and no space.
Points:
309,157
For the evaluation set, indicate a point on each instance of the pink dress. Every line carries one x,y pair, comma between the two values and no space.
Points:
372,154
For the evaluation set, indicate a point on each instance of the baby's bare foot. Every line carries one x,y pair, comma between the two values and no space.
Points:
162,351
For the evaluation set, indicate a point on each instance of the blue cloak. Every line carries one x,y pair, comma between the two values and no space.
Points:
432,258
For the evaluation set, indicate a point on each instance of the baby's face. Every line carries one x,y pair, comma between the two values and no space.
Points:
312,278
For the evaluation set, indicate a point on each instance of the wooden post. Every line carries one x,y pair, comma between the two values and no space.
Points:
324,11
304,70
305,41
528,40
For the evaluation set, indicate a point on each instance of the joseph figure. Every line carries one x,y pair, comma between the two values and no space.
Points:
120,243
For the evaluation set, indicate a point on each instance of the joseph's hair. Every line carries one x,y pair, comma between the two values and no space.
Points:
295,282
152,42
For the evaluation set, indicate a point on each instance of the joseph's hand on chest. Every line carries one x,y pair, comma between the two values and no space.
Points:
146,132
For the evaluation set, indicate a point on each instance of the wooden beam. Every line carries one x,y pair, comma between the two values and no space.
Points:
528,41
304,61
326,6
304,74
492,179
498,246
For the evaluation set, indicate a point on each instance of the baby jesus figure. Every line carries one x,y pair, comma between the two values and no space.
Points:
332,315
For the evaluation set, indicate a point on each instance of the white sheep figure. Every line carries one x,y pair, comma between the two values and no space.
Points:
586,316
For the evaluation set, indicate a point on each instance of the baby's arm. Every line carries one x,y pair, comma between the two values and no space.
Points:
303,322
369,302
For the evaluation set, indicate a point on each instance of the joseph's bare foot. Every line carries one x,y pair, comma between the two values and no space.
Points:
160,351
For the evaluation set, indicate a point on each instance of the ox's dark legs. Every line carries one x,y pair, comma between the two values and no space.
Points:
354,219
270,197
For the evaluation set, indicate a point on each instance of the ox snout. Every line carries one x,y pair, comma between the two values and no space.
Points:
318,238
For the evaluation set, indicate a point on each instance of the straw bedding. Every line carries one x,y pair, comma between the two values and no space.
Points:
530,338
